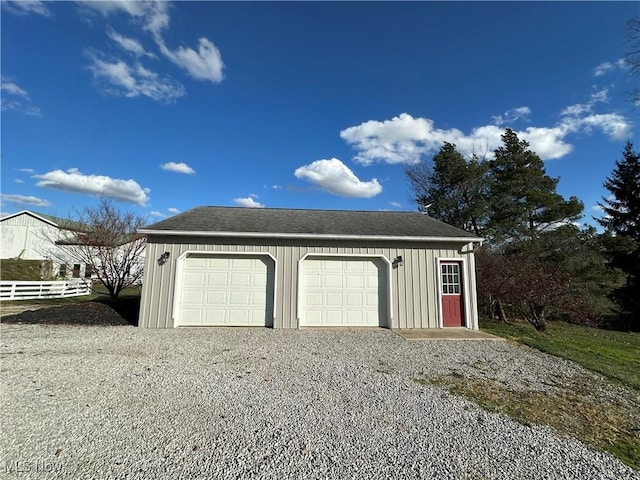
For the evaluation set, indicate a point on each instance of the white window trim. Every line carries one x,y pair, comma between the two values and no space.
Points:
177,298
342,255
466,299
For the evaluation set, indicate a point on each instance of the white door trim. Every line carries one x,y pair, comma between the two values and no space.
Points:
177,303
465,288
343,255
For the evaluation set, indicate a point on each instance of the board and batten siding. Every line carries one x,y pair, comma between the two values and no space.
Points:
26,237
414,285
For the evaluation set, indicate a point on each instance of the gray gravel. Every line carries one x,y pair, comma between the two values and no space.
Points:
127,403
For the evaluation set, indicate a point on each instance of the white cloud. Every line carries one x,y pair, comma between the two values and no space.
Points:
276,187
205,64
17,180
405,139
26,170
173,210
395,204
25,200
135,8
548,143
402,139
178,168
599,96
24,7
129,44
74,181
16,98
335,177
155,213
248,202
12,88
510,116
120,79
581,117
612,124
606,67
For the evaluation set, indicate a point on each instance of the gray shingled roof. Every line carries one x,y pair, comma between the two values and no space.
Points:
280,221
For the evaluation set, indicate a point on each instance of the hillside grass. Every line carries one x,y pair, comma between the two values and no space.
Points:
601,412
29,270
615,355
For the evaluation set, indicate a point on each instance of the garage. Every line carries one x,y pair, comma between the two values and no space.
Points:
343,292
296,268
226,290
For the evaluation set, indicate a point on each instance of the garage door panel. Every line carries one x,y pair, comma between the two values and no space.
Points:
355,318
198,262
333,299
371,300
240,279
218,279
334,317
355,299
194,315
193,297
240,298
216,298
194,279
333,281
311,280
220,290
343,292
258,298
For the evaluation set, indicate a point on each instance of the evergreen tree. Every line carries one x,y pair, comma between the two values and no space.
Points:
622,220
524,201
453,190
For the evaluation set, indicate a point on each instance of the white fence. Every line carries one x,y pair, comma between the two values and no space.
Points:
23,290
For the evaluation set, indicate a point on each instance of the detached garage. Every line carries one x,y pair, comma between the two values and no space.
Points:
285,268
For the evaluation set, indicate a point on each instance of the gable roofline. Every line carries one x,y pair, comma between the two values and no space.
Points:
58,222
192,233
40,217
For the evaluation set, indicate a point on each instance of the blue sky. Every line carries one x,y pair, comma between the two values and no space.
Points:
169,106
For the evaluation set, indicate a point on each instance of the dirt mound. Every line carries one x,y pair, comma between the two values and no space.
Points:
90,313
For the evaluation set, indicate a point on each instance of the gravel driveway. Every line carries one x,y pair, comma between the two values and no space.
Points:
128,403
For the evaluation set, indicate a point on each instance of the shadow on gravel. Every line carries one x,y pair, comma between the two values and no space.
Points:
100,312
127,307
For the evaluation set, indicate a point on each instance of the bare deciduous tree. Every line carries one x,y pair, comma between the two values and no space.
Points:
632,58
107,241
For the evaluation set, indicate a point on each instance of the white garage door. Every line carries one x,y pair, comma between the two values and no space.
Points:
342,292
226,291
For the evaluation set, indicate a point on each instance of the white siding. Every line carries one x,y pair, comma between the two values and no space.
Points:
26,237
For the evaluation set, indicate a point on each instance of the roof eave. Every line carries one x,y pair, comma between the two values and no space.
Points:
31,214
190,233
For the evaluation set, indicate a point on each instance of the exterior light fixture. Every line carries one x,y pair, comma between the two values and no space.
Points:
163,258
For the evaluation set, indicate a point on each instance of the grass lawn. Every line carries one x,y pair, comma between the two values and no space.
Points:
615,355
603,413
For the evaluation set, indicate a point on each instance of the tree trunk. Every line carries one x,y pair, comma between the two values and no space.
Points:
502,316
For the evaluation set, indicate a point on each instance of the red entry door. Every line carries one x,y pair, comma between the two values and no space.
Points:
452,306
